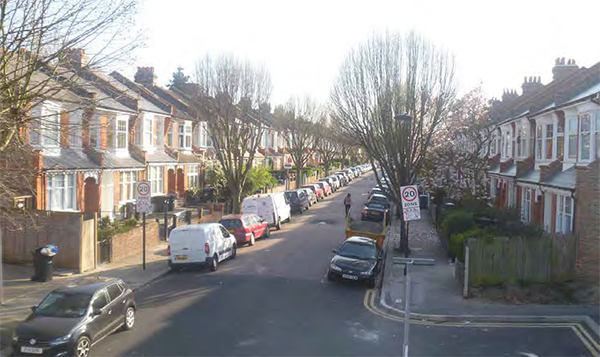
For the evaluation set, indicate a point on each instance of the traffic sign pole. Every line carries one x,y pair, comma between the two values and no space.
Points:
144,241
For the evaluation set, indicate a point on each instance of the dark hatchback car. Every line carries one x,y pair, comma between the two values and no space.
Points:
357,259
298,200
69,321
376,211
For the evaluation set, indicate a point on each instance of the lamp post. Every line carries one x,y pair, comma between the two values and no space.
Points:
405,119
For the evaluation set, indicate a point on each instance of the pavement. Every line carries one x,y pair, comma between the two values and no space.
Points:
437,295
20,293
274,299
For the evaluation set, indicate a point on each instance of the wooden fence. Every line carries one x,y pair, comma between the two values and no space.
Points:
521,259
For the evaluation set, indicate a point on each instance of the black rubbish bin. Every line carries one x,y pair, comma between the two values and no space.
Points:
424,201
42,265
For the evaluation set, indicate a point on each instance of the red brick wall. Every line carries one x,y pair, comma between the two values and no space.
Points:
587,220
130,243
64,129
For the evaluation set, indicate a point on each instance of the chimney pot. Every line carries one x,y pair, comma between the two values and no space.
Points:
145,76
76,57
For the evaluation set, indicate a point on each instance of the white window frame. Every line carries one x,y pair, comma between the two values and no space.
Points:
170,136
493,187
156,178
62,202
148,131
95,131
50,126
564,214
128,182
526,196
582,133
596,138
549,140
571,128
75,128
121,133
188,135
512,194
193,176
539,142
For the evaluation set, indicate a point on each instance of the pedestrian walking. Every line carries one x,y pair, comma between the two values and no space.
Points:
348,203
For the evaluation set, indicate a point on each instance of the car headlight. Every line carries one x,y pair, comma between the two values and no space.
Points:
335,267
15,338
60,340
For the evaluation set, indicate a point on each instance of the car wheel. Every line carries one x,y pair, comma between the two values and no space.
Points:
82,347
267,232
129,318
233,251
214,263
330,276
278,225
371,283
252,239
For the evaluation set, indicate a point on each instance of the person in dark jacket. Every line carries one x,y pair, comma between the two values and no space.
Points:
348,203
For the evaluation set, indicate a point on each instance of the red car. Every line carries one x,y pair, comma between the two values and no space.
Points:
325,187
246,227
317,190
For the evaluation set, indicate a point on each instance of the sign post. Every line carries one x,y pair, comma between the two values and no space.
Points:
287,166
143,205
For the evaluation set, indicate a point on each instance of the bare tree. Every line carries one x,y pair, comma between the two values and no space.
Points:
386,76
39,42
234,97
459,155
327,143
296,120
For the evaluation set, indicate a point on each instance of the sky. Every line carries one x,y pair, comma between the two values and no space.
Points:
303,43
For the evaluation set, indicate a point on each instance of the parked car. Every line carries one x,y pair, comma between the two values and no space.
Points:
298,200
325,187
206,244
246,228
336,181
375,190
351,174
379,198
376,211
330,183
274,208
70,320
357,259
316,188
344,177
312,197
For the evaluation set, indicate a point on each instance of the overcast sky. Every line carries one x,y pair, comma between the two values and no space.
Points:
303,43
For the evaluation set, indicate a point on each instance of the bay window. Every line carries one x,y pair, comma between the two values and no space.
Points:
572,132
560,140
538,143
585,140
121,133
188,135
170,137
61,192
512,194
75,129
597,134
526,205
128,185
95,131
564,214
193,175
148,131
155,176
493,188
549,141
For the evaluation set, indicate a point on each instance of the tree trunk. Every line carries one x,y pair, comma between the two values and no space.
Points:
298,178
236,199
327,168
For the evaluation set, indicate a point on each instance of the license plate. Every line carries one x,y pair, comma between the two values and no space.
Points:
181,257
376,213
232,231
35,350
351,277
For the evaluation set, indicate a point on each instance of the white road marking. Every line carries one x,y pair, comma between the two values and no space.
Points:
528,354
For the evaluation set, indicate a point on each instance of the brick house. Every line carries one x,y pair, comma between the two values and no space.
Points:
546,150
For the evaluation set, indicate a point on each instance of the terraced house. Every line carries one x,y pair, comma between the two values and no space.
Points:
546,153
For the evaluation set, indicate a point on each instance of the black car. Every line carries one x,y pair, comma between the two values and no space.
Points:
70,320
378,198
298,200
376,211
357,259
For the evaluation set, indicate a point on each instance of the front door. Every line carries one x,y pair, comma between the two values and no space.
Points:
91,202
180,183
171,181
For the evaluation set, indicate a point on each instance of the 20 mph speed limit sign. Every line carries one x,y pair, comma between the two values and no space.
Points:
410,202
143,198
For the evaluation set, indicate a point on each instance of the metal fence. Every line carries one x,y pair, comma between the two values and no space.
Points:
104,249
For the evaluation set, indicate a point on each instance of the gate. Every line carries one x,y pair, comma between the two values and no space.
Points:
104,248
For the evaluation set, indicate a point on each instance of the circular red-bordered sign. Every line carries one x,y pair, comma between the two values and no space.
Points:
409,194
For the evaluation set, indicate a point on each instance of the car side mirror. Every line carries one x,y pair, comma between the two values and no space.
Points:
33,308
379,259
334,251
96,312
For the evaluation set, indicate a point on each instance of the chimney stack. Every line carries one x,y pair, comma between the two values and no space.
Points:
509,96
145,76
563,68
75,57
532,85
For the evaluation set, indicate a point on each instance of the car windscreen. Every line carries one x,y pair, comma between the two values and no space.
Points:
231,223
60,304
357,250
377,205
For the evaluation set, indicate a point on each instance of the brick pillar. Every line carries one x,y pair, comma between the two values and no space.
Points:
587,220
64,129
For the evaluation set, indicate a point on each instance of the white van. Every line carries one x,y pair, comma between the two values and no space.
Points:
200,244
273,208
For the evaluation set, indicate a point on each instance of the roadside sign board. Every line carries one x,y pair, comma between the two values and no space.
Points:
143,198
287,165
410,202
